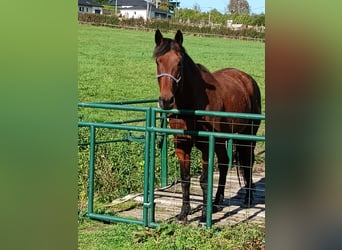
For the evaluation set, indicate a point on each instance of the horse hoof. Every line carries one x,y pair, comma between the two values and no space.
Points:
203,217
182,218
203,221
217,208
247,203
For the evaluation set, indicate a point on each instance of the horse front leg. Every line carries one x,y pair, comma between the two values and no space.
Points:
184,162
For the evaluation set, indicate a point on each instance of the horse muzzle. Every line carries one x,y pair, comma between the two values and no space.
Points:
166,103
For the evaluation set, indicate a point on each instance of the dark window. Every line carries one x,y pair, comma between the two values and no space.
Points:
97,11
81,9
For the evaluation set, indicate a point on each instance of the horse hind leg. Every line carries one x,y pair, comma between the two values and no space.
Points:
246,157
223,169
222,156
204,185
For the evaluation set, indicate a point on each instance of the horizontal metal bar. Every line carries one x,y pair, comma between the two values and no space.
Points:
112,106
176,131
210,133
153,224
128,121
108,125
135,138
129,102
123,106
212,113
104,142
125,122
113,218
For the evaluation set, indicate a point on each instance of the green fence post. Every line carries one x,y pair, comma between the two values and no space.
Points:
146,203
91,170
163,154
210,181
152,166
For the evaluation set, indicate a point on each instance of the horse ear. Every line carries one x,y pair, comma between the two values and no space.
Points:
158,37
179,37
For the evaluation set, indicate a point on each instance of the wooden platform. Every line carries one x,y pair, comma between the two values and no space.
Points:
168,202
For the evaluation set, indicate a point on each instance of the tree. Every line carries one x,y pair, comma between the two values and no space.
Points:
100,1
258,20
161,4
238,7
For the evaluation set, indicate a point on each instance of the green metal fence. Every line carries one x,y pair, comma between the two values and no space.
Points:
151,131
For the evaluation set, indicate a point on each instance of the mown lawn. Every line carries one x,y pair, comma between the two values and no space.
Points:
116,65
96,235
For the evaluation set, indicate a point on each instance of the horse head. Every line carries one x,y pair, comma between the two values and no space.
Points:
168,54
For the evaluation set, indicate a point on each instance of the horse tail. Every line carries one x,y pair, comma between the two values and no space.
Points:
237,164
255,98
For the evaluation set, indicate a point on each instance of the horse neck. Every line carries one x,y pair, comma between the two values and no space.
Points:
192,95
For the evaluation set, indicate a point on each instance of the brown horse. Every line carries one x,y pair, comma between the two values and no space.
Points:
186,85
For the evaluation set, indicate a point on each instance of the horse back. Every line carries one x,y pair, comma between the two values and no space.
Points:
236,91
239,91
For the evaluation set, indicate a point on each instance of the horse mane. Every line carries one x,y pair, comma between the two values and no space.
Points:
167,45
203,68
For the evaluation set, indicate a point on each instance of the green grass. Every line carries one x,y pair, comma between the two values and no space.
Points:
116,65
99,236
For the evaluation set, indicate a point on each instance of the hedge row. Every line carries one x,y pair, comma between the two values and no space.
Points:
97,19
169,25
166,26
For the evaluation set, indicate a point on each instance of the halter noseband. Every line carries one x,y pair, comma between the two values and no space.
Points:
171,76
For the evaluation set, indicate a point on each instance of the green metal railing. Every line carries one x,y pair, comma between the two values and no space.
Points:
151,131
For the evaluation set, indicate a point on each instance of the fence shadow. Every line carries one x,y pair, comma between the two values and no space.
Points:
235,205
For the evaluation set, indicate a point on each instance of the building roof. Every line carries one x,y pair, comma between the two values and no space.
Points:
128,2
88,3
134,5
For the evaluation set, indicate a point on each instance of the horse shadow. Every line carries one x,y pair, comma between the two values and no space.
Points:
235,204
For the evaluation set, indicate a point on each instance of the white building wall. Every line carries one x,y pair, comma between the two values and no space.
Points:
93,10
88,9
133,13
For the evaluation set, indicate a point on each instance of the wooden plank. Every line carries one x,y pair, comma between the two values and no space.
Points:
168,202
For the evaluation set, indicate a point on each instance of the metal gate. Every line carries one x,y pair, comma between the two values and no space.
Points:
151,132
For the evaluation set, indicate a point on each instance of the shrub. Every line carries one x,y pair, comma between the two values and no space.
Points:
169,25
98,19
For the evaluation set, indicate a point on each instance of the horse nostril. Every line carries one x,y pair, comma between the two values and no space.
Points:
161,102
166,103
172,100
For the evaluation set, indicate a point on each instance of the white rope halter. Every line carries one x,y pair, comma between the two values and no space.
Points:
171,76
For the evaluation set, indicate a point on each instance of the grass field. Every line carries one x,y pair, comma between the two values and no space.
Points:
117,65
99,236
